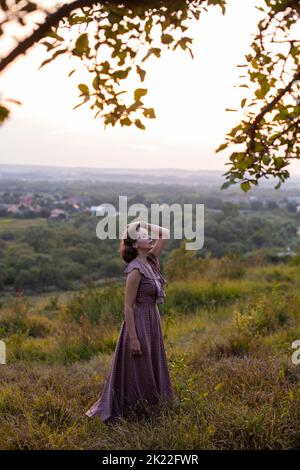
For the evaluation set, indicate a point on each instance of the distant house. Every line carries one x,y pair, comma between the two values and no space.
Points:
26,200
22,208
57,214
288,252
103,210
77,200
13,209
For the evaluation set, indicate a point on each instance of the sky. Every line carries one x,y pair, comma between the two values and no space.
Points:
189,97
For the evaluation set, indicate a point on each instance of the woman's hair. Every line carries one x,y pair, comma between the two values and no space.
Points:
127,251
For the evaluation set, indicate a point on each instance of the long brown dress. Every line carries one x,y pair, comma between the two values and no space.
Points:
133,379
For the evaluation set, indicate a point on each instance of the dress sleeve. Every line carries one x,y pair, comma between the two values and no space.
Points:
135,264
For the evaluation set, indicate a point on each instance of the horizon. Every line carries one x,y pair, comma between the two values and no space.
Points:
136,169
109,168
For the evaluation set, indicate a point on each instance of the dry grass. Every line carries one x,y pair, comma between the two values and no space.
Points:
228,343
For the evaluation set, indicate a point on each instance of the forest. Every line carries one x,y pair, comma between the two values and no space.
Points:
44,254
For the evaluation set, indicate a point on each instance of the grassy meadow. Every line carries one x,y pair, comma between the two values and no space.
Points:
228,328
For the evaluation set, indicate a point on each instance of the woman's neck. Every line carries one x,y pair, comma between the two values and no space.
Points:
143,257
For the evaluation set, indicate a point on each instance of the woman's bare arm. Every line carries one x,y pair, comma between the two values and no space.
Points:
163,234
132,284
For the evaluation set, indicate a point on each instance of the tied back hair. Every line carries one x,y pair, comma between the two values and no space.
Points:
127,251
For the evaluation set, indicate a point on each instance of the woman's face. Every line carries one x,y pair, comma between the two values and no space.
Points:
144,241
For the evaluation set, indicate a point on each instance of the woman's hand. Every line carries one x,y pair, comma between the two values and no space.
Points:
138,224
132,228
135,347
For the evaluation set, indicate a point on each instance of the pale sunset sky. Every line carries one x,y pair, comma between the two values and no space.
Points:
189,97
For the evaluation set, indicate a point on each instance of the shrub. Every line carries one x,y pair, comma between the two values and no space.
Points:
188,297
105,303
19,321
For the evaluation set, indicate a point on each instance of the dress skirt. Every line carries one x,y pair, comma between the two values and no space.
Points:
133,378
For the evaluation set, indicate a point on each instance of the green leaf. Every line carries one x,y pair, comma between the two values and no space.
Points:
113,18
242,165
77,20
105,67
121,73
258,146
57,53
4,112
279,162
139,124
243,102
183,42
86,98
84,89
282,115
121,55
53,34
48,45
139,92
81,45
149,113
125,122
226,184
166,39
154,50
264,88
245,186
95,83
196,14
222,147
266,159
47,61
141,73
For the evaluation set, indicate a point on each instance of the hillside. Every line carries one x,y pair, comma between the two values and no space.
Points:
228,330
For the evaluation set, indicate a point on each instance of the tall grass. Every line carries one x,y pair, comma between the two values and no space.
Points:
228,341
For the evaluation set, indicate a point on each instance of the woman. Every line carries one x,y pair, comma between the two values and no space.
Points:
139,374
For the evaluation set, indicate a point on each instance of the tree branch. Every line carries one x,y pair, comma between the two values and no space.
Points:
267,108
53,19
